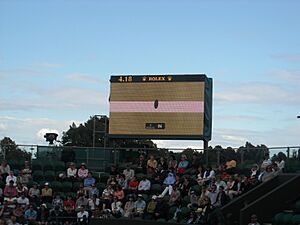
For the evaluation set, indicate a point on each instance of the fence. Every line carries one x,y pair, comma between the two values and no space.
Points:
99,158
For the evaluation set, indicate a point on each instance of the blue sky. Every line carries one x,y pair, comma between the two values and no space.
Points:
56,58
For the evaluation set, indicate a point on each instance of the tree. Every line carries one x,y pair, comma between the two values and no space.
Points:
10,150
82,136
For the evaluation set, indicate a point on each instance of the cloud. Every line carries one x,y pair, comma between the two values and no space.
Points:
84,78
48,65
258,93
294,58
290,76
32,130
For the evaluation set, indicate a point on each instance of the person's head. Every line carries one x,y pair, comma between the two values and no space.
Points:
46,185
134,178
72,165
83,166
81,208
30,207
128,167
140,197
11,173
253,218
152,157
213,188
90,174
130,198
221,189
11,183
205,201
269,169
183,157
142,157
115,199
172,157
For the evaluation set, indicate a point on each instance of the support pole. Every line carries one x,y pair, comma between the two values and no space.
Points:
205,146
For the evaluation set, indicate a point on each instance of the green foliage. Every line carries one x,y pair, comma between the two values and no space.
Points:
10,150
82,136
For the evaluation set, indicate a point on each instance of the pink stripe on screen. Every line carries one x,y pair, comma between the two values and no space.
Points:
163,106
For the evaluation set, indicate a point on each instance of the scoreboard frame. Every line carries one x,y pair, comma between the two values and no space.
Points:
208,96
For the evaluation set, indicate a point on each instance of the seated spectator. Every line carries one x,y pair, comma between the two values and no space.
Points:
22,178
169,182
119,193
47,193
222,198
106,197
144,185
4,170
72,172
10,177
69,203
26,172
192,219
43,215
82,201
112,181
195,163
70,216
13,221
151,164
23,201
220,183
116,208
30,215
133,184
172,163
34,193
200,175
183,164
159,174
139,206
55,215
128,173
185,186
142,164
10,192
58,202
121,181
21,189
255,172
212,194
82,172
19,213
93,191
233,187
151,208
82,216
129,207
175,196
280,163
193,200
81,191
113,170
268,174
208,174
89,181
162,162
93,203
266,162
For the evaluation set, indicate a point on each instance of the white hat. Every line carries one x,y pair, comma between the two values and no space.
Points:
154,197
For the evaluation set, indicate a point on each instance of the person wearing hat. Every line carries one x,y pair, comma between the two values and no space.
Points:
47,193
139,206
82,172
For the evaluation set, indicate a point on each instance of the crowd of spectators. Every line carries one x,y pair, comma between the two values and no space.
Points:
153,188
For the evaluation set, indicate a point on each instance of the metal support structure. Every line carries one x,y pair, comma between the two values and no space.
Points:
102,131
205,147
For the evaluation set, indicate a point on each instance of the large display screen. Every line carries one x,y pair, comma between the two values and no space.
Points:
160,107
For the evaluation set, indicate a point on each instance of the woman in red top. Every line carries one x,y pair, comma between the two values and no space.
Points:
133,184
69,202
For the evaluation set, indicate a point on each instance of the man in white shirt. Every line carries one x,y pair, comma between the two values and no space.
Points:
23,201
144,185
128,173
72,172
82,216
11,177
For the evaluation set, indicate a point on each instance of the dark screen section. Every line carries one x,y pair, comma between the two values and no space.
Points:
157,78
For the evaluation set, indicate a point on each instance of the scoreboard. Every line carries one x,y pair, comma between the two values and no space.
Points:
160,107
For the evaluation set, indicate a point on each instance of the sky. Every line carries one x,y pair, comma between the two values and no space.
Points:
56,58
